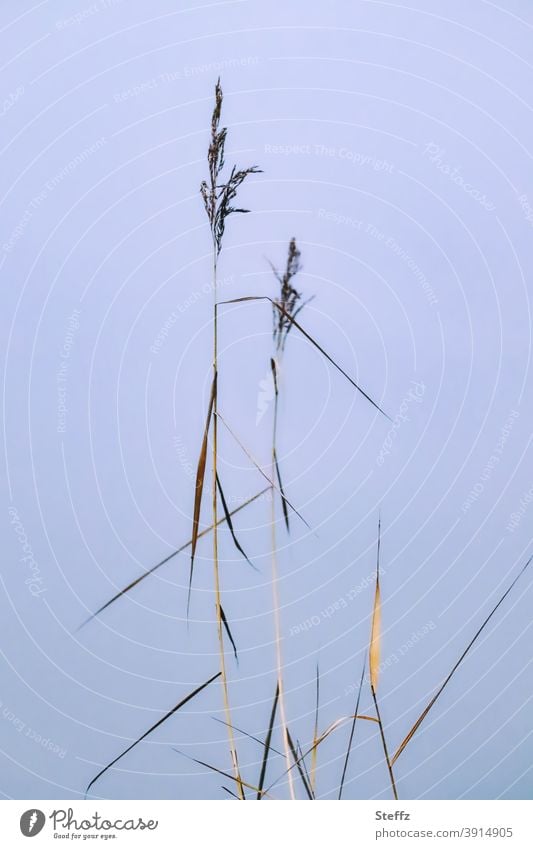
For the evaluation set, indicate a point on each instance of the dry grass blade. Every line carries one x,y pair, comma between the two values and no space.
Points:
315,732
268,739
352,733
298,764
312,341
199,486
448,678
229,523
152,728
260,470
374,654
228,632
179,550
375,637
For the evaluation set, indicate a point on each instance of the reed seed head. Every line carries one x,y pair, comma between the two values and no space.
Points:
289,297
218,195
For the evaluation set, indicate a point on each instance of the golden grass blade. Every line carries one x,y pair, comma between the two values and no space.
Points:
229,523
375,637
298,764
228,632
315,732
182,548
199,486
446,681
268,739
352,732
152,728
313,342
260,470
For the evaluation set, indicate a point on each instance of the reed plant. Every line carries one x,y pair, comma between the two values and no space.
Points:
219,193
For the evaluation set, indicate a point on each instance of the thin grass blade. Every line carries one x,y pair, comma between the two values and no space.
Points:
268,739
352,732
298,764
199,486
217,770
182,548
229,523
152,728
375,637
313,342
260,470
448,678
314,754
228,632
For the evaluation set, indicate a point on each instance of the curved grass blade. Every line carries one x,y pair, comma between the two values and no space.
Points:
229,523
152,728
352,732
448,678
260,470
228,632
268,739
199,486
313,342
184,547
331,728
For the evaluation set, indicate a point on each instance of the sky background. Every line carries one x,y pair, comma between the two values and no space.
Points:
395,142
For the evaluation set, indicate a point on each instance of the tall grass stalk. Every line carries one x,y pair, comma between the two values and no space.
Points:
218,197
288,299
